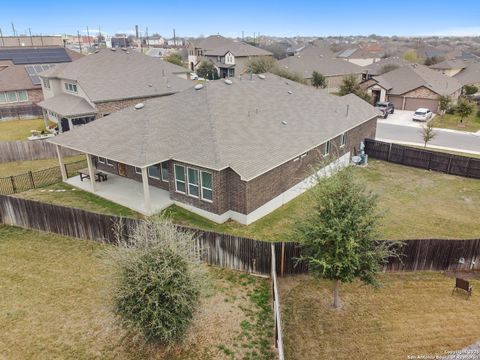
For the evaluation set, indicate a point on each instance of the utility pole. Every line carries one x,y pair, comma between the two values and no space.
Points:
99,36
146,37
30,32
174,38
1,37
79,44
242,35
15,34
88,34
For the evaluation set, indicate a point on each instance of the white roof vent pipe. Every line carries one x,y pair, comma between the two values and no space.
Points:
198,87
228,81
139,106
261,76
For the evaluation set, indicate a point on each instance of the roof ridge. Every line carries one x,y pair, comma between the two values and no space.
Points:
214,129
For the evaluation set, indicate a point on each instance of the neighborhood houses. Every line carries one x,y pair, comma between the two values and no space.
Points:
253,181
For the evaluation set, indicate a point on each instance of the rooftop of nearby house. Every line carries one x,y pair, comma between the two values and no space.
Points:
379,67
217,45
470,74
362,52
411,77
251,126
449,64
115,75
313,58
19,67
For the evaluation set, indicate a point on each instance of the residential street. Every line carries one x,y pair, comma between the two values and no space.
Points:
408,134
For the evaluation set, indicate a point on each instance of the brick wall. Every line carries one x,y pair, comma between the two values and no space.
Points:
108,107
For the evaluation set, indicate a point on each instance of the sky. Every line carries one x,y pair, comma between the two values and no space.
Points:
276,18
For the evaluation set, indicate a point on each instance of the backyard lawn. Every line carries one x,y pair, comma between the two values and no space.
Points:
13,130
416,204
452,121
411,314
54,296
20,167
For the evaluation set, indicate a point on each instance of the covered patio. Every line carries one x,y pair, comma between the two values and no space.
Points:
125,192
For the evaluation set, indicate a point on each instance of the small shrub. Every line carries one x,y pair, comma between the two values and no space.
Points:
450,110
470,89
157,295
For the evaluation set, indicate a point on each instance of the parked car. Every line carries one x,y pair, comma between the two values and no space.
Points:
422,114
385,106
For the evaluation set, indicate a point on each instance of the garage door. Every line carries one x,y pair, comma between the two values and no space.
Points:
397,101
415,103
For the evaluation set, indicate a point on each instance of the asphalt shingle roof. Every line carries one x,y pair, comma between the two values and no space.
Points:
238,126
449,64
412,77
469,75
313,58
67,105
217,45
377,67
115,75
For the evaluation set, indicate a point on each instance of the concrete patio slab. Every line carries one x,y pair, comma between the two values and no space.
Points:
125,192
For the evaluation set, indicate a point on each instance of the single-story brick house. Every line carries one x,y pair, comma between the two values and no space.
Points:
313,58
228,150
104,82
20,85
412,87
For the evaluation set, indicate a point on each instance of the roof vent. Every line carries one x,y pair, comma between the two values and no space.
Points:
113,49
96,51
139,106
198,87
150,85
261,76
228,81
124,48
290,92
284,122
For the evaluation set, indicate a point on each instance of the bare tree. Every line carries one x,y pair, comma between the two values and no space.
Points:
428,133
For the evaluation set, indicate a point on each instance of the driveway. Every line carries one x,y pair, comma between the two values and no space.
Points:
402,118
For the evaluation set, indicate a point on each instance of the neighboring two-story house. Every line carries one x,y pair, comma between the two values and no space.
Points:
228,150
20,85
104,82
230,57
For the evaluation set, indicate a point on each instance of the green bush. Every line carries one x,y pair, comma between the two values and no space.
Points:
470,89
450,110
157,295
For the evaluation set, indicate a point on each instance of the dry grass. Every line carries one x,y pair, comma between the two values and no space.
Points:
54,304
20,167
449,121
412,314
13,130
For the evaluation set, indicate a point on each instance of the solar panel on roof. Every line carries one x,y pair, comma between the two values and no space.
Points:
35,56
34,70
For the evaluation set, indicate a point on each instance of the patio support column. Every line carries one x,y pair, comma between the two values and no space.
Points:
45,117
63,171
146,190
91,172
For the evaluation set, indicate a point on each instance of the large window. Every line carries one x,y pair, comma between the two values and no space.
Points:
13,96
3,98
46,83
71,87
326,148
22,95
193,182
154,171
165,171
343,140
207,193
180,178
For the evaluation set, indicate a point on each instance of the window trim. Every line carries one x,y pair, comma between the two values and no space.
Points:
109,162
67,86
101,161
343,139
161,172
182,181
198,182
326,148
151,176
46,83
8,99
18,95
138,172
203,187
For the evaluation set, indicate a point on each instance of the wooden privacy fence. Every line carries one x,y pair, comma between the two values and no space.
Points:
424,159
227,250
35,179
30,150
276,307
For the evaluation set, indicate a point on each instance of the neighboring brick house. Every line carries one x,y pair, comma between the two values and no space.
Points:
412,87
313,58
228,150
104,82
20,85
230,57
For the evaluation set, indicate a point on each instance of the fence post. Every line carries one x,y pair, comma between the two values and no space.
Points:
282,262
429,160
468,167
13,184
31,179
389,151
449,164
